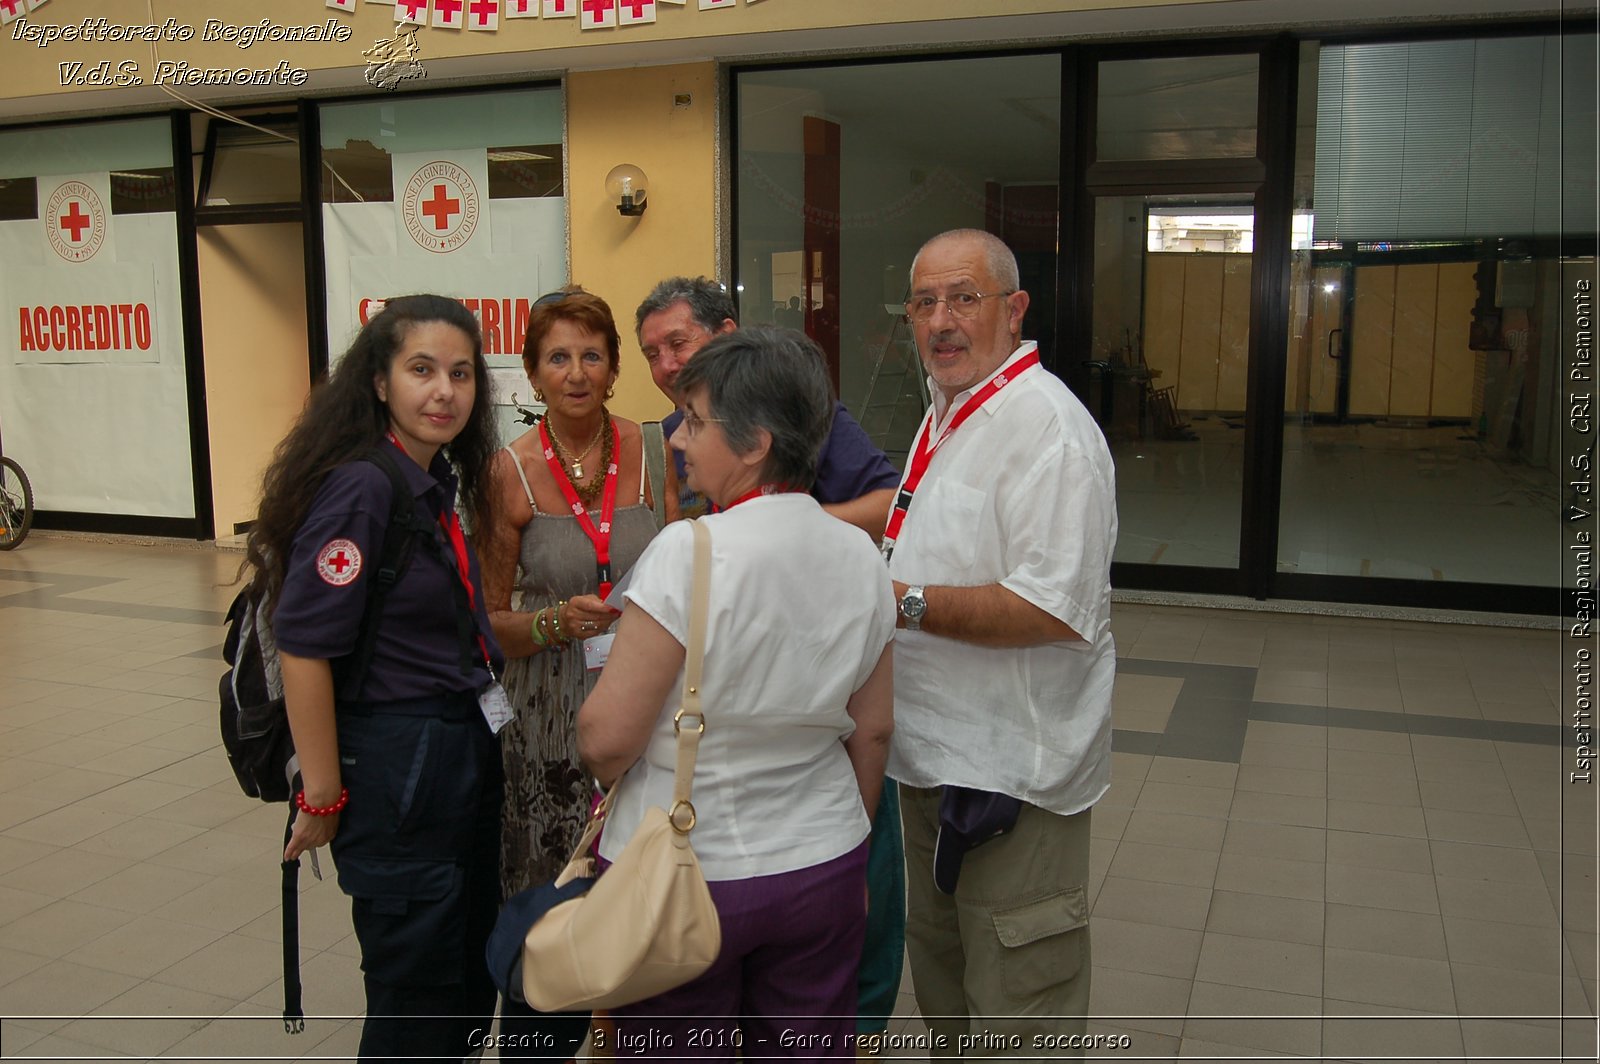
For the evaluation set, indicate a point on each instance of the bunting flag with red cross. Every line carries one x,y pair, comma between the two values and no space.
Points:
11,10
635,12
483,14
411,12
597,14
448,14
342,5
523,8
560,8
716,5
34,5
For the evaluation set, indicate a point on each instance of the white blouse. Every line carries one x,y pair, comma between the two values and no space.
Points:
801,610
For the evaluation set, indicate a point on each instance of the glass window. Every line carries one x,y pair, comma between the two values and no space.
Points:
19,198
1167,370
844,171
1422,433
461,194
1190,107
253,166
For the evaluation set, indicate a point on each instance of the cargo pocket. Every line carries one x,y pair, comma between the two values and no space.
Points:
1042,942
409,917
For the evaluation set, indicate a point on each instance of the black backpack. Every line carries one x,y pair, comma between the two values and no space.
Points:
255,724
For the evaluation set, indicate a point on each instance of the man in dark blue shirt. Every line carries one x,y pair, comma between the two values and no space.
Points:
855,482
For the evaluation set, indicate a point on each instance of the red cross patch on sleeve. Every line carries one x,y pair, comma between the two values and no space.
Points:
339,562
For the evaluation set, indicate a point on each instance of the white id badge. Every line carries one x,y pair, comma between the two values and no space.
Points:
496,706
597,650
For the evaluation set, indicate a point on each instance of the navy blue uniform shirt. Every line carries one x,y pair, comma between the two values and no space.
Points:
336,551
849,466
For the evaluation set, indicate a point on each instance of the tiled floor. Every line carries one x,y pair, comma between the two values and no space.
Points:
1325,837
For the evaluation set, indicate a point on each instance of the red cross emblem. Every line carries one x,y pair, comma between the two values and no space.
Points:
639,7
411,8
447,11
76,220
482,10
557,7
12,7
339,562
441,207
595,11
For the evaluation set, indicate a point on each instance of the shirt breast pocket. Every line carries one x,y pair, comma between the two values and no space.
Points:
953,522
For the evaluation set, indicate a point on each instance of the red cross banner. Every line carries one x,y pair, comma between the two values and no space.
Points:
448,14
635,12
560,8
483,14
597,14
342,5
442,203
522,8
716,5
411,12
11,10
75,217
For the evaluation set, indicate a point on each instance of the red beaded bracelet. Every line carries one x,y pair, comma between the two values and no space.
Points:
327,810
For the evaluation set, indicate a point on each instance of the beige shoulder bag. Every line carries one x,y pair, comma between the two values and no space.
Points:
648,924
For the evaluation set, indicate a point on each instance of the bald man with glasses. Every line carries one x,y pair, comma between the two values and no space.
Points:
999,545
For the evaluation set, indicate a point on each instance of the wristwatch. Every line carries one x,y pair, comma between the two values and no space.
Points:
912,606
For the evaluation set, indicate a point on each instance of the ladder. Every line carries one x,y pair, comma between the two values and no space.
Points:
896,397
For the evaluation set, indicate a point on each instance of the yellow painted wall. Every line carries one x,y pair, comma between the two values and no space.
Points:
628,116
253,314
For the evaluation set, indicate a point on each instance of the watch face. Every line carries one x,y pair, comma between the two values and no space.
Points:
913,605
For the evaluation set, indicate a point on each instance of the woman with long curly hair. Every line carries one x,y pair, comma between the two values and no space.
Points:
400,765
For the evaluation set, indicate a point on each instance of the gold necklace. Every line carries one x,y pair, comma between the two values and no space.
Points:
565,452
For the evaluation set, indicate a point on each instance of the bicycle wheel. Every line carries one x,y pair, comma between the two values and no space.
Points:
16,504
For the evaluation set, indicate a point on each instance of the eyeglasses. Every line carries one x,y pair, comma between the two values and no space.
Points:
959,304
693,423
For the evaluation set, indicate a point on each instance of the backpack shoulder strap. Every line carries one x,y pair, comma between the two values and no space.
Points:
399,540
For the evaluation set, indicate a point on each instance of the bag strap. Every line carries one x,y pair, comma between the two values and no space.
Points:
398,544
294,1016
681,815
694,660
655,467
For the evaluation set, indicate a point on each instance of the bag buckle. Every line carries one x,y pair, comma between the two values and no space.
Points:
672,816
677,720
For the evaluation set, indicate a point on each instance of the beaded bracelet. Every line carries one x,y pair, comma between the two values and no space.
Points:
326,810
541,638
560,631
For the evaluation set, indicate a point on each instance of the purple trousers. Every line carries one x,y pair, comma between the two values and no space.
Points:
784,984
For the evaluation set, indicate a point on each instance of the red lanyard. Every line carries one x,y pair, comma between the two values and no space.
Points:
922,454
600,537
450,524
756,493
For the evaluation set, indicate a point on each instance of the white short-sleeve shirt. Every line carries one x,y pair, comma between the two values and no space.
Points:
801,611
1023,494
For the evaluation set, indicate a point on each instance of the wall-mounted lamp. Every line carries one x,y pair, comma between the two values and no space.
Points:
626,186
